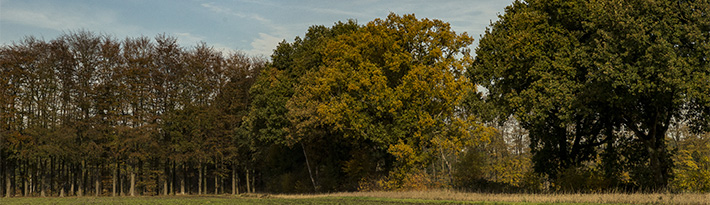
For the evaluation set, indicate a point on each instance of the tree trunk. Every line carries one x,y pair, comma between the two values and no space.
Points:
43,179
182,179
308,165
204,179
82,179
659,162
235,190
216,179
97,181
247,177
52,175
2,172
199,179
114,180
173,179
8,184
28,179
63,177
165,186
166,177
133,181
72,179
25,180
121,182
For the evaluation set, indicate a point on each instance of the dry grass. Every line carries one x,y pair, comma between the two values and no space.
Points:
532,198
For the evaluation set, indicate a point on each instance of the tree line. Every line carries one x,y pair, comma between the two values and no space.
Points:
86,113
575,99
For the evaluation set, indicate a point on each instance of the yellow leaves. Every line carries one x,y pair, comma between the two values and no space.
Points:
403,152
692,170
398,82
425,121
406,176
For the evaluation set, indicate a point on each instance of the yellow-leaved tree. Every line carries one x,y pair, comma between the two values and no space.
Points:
397,83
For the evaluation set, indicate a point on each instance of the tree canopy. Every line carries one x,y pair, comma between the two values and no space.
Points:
585,76
582,95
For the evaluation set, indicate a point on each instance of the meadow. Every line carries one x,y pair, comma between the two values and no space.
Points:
408,197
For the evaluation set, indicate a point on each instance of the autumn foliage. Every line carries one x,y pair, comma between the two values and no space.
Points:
554,100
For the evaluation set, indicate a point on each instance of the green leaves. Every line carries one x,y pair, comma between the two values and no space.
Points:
576,73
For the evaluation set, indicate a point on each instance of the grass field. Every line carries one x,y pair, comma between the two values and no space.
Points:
414,197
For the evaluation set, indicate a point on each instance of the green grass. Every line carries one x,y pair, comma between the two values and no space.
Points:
227,200
404,197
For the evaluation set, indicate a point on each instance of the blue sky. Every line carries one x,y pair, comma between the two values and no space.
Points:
252,26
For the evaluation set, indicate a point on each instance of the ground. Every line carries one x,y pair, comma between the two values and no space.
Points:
412,197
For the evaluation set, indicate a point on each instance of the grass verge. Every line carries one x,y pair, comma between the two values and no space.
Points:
608,198
406,197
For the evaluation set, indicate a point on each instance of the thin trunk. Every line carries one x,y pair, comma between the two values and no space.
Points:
308,165
72,179
82,179
173,179
133,181
204,179
114,180
121,182
166,176
2,173
235,190
165,186
25,180
448,165
63,178
199,179
216,179
182,179
52,175
13,180
248,184
30,175
8,184
97,180
43,181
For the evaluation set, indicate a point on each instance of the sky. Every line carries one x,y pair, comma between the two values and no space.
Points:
251,26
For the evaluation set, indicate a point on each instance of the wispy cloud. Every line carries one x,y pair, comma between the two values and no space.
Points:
188,39
227,11
264,45
255,26
67,19
266,41
340,12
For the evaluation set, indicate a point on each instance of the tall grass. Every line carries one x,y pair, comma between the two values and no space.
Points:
615,198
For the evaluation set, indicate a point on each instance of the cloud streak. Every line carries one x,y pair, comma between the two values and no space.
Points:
264,45
266,41
227,11
256,26
62,19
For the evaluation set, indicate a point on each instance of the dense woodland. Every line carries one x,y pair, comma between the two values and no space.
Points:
581,96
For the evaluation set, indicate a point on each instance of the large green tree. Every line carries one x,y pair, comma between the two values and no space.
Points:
579,74
268,127
396,83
